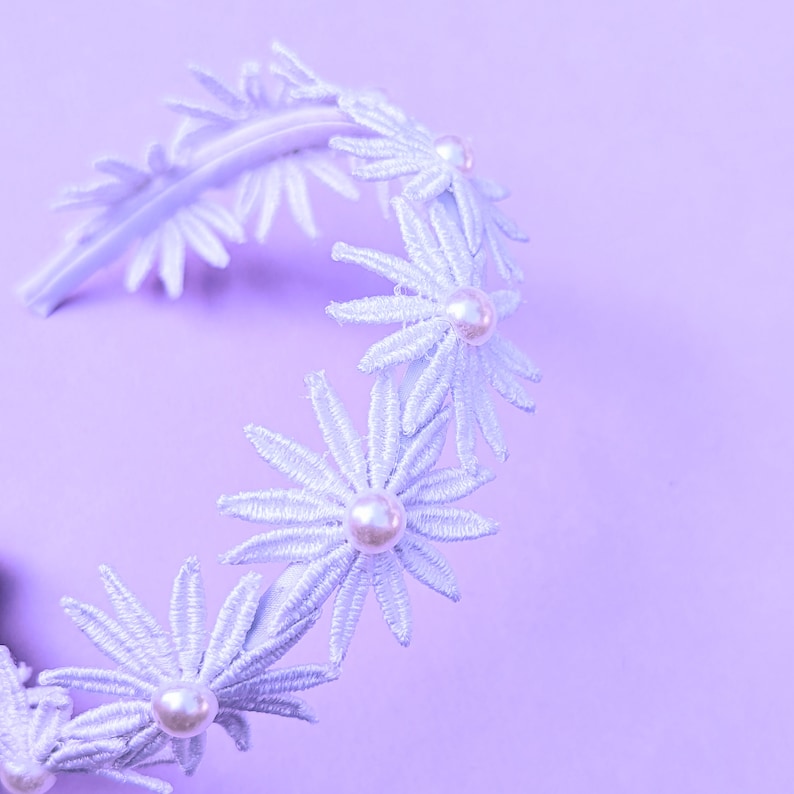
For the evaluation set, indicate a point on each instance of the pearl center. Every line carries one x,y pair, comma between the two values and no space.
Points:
26,777
184,709
472,315
456,152
374,521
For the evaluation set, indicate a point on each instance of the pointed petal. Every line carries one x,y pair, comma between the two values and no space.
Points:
140,623
188,617
431,385
172,259
123,171
109,637
505,264
331,175
505,382
384,309
236,725
219,118
12,693
232,625
144,744
300,464
383,440
448,524
258,658
131,776
392,595
110,720
515,360
201,239
247,195
142,262
386,169
298,197
470,214
348,605
282,506
222,92
276,682
489,190
427,566
404,345
422,247
338,432
283,706
465,420
404,274
441,486
428,183
294,544
272,183
420,452
219,218
315,585
453,244
88,679
189,752
485,413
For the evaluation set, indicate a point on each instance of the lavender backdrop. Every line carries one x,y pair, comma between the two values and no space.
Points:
631,629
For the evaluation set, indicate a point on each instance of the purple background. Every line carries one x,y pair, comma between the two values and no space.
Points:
631,629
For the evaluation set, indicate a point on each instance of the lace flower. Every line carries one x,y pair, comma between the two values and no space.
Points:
172,688
449,331
437,166
264,188
361,526
33,747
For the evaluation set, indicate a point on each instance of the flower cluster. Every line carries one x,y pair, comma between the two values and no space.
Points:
169,687
356,519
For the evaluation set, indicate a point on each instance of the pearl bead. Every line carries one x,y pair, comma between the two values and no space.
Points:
472,315
26,777
374,521
184,709
456,152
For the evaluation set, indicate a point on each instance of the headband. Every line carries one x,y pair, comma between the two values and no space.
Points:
361,514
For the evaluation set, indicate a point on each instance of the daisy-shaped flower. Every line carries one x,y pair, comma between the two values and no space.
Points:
263,189
449,331
33,744
430,166
173,687
364,525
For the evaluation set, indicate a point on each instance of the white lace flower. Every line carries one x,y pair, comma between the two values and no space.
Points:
263,189
360,527
34,747
449,335
172,688
436,165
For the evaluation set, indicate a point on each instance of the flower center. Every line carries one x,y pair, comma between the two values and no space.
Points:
26,777
456,152
472,315
374,521
184,709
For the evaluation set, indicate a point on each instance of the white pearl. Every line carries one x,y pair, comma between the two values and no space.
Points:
184,709
472,315
374,521
26,777
456,152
